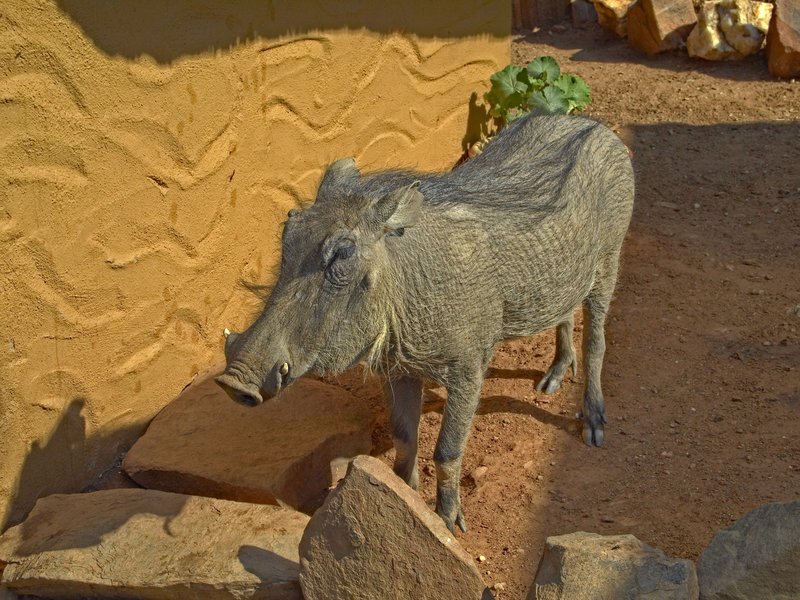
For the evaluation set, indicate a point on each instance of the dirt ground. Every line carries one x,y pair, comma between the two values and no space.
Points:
702,370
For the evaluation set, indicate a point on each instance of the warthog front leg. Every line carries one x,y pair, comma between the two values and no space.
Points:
564,359
463,397
404,396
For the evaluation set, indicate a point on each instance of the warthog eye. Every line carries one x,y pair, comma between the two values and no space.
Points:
337,267
344,252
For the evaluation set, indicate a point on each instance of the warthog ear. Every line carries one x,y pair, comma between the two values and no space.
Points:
340,177
397,210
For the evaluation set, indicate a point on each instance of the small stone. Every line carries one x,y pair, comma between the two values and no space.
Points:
670,205
658,25
478,473
135,543
475,150
607,520
481,558
367,539
588,565
783,40
612,15
757,556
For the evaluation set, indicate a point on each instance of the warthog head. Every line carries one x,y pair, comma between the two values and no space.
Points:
330,305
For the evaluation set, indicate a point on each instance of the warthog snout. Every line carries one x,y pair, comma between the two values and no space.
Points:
250,394
239,392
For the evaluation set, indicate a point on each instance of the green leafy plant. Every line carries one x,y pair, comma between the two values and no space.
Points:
517,90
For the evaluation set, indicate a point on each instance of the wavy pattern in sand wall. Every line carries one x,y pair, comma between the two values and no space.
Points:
147,166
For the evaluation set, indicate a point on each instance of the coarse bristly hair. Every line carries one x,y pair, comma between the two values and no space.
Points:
530,174
506,245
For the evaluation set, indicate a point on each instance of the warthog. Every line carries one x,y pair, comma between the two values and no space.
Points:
422,274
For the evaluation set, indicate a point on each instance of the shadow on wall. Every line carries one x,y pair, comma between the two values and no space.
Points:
132,28
65,451
477,124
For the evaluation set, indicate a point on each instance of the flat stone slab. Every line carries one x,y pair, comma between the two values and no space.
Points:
756,557
783,39
375,538
133,543
286,449
610,567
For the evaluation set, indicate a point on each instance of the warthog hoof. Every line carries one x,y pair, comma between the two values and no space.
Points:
593,428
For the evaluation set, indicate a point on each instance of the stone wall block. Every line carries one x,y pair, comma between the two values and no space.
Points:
153,545
783,40
288,449
758,556
375,538
613,567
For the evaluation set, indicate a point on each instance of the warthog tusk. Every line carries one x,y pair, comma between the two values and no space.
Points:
226,333
284,368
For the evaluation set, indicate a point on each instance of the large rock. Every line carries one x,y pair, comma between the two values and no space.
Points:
745,24
375,538
614,567
135,543
783,39
758,557
658,25
729,29
290,449
613,14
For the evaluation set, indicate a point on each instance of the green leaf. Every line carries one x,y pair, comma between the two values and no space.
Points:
545,68
551,99
513,116
511,80
575,90
494,97
498,112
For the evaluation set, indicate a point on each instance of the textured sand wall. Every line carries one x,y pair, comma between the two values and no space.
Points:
149,152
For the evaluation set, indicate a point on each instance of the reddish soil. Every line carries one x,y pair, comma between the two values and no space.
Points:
702,370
